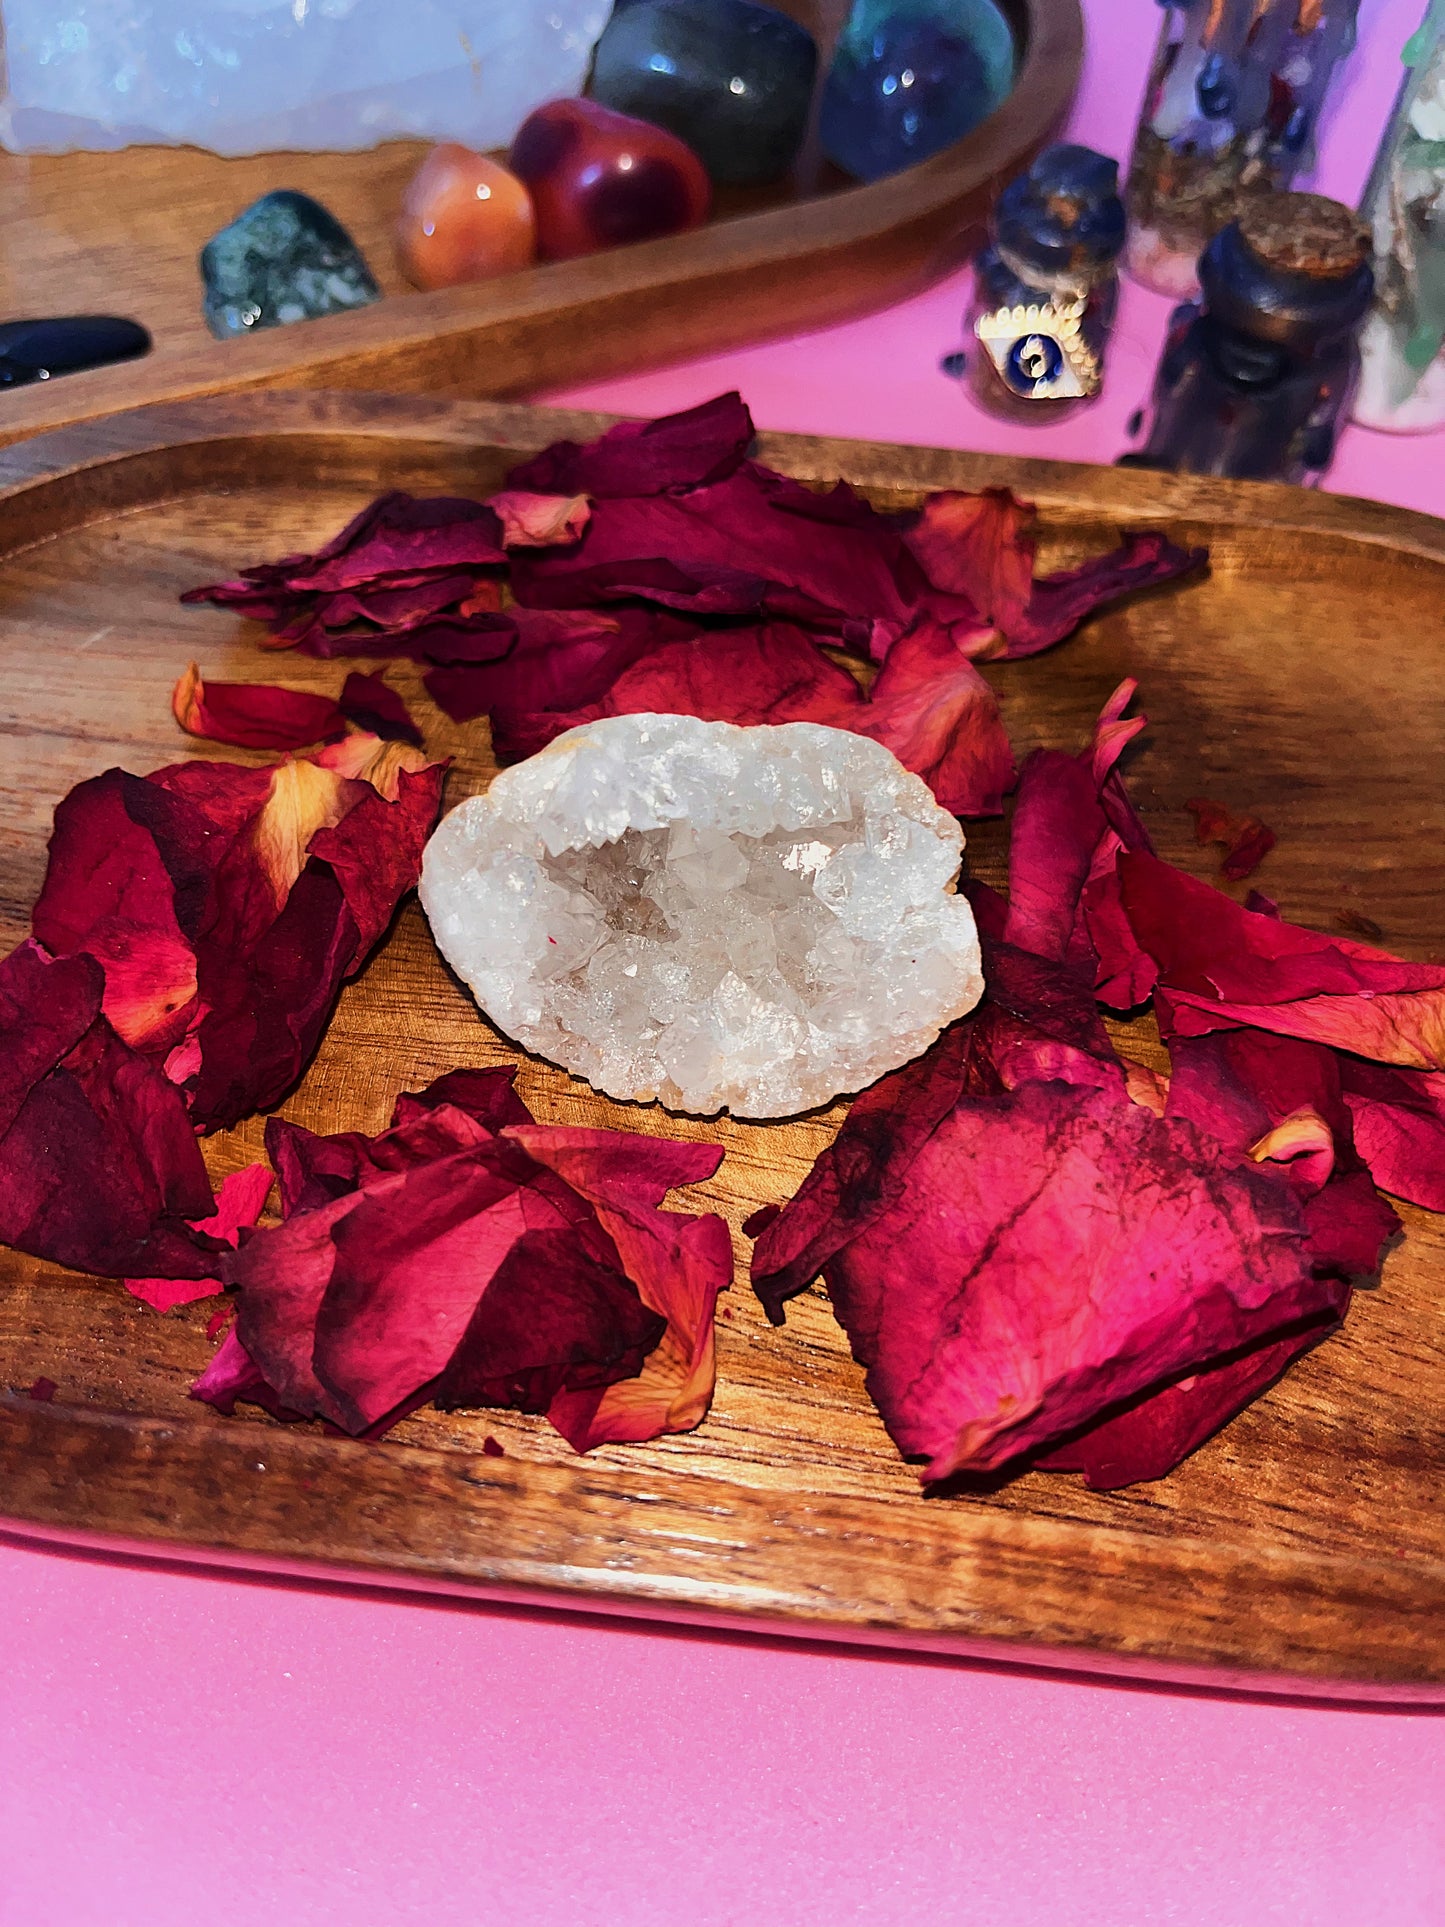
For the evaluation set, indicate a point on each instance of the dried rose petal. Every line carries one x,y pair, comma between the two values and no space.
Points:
685,450
1055,1251
560,660
751,546
239,1203
929,705
1399,1128
1245,841
1223,966
1282,1099
678,1263
981,547
227,905
1072,821
1149,1439
99,1166
531,521
475,1258
371,706
401,560
253,715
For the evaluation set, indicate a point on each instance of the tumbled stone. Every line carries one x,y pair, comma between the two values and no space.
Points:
463,217
284,259
732,79
599,179
716,917
65,345
910,77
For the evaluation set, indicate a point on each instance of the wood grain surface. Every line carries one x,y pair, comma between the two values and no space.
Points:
1304,1546
120,233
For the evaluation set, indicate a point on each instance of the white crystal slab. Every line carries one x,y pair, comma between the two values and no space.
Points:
248,76
755,920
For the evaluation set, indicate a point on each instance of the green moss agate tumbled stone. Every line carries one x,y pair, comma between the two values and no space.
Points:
284,259
732,79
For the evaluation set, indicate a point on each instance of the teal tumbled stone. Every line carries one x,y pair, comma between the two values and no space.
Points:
285,258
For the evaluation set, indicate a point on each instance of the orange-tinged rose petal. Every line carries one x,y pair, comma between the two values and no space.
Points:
539,521
1303,1138
304,798
368,759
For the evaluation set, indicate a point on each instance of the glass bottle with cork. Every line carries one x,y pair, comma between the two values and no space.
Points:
1233,97
1256,376
1402,383
1046,286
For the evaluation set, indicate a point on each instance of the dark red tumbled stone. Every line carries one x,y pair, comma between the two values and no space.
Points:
599,179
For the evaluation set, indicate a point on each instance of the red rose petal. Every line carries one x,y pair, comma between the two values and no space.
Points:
1148,1440
1072,821
369,704
678,1263
686,450
753,545
239,1203
1059,1251
551,1318
532,521
1399,1122
99,1166
981,547
929,705
1245,841
467,1256
1221,965
252,715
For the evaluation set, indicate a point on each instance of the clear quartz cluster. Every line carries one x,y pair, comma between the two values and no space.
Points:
754,920
244,76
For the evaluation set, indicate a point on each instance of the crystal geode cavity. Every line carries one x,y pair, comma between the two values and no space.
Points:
754,920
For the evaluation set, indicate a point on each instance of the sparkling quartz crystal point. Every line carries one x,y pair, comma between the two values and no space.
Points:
755,920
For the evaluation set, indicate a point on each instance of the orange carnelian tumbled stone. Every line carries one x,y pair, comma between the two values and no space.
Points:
599,179
463,217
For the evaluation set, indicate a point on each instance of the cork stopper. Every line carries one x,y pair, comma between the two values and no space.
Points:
1304,234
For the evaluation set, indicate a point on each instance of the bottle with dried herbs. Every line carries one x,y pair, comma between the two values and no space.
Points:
1230,110
1046,286
1256,376
1402,382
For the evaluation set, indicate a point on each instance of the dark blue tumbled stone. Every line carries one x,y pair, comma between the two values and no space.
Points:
66,344
909,78
732,79
284,259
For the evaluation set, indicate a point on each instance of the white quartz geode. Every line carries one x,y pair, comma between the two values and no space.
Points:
755,920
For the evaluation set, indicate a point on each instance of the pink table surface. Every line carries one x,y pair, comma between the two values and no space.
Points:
177,1747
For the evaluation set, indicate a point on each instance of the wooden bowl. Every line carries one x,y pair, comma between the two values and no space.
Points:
119,233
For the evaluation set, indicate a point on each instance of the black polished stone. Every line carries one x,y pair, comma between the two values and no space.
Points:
732,79
283,259
66,344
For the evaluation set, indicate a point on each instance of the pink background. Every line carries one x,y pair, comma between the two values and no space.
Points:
177,1747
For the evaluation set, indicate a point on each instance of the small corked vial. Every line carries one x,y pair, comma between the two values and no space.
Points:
1046,286
1230,108
1257,374
1402,382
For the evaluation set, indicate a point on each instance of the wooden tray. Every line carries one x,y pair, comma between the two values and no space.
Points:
119,233
1304,1547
